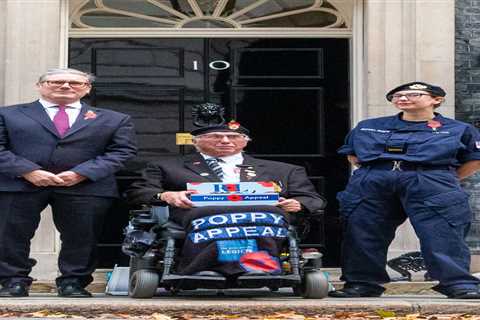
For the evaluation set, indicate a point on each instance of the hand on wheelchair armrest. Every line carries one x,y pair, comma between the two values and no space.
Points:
292,206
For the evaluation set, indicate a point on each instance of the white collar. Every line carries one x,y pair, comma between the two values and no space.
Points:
236,158
48,104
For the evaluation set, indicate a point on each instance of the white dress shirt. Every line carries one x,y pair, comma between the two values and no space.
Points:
231,173
72,110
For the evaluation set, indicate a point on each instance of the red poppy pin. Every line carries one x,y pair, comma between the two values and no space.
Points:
434,124
233,125
89,115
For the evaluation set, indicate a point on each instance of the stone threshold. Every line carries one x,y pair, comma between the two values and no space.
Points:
393,288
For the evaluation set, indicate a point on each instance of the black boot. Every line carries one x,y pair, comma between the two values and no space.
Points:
16,289
356,291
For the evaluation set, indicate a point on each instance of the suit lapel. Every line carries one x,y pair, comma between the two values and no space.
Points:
197,164
36,111
82,120
251,169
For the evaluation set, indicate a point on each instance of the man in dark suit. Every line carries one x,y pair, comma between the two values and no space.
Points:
165,181
60,152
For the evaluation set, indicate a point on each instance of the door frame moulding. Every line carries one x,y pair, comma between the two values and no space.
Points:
355,34
174,19
209,33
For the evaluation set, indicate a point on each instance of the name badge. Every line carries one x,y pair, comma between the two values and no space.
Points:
395,149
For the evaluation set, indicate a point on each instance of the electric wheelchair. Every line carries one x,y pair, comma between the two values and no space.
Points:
154,242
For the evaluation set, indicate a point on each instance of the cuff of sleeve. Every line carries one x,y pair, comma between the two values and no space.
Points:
471,157
156,199
345,150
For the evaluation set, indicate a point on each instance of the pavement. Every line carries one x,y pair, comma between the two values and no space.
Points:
400,297
243,302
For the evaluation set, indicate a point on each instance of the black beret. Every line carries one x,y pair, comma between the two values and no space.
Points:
417,85
232,126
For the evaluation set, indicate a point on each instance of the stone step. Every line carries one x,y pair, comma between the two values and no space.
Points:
401,287
417,287
396,288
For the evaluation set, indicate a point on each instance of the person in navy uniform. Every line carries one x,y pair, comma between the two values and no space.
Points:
409,166
61,152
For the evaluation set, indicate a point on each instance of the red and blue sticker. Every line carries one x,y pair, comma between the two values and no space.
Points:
260,261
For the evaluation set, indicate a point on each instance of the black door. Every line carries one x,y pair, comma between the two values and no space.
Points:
293,95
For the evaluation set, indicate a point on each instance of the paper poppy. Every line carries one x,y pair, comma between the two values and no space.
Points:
434,124
89,115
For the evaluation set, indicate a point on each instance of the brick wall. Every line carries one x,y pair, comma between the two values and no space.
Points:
467,92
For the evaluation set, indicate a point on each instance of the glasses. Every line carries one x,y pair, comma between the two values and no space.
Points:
409,96
220,137
72,84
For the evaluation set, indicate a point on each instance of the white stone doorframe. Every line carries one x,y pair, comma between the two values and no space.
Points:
408,40
32,38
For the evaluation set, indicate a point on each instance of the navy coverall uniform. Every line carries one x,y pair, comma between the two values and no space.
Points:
408,170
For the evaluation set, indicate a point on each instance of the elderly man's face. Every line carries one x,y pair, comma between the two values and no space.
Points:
220,144
64,88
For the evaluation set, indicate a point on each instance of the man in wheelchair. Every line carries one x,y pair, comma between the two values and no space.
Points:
222,246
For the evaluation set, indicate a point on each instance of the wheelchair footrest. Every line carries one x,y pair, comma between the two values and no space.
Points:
290,277
176,277
258,281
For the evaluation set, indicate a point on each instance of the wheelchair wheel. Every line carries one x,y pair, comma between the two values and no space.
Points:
136,264
143,284
133,266
314,285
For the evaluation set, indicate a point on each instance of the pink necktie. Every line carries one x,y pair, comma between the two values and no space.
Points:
61,121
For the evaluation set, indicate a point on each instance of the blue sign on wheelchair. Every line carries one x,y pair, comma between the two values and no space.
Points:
232,250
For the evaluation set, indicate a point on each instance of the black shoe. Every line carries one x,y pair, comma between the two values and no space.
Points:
464,294
73,291
16,289
355,292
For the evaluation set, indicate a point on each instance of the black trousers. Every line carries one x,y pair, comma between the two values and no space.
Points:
79,219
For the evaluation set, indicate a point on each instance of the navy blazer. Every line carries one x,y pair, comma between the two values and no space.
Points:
96,146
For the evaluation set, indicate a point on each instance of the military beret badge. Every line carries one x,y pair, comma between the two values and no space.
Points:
418,86
233,125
